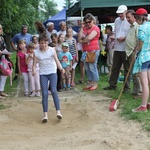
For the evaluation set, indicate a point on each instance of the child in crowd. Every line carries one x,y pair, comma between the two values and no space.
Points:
81,61
58,47
61,39
22,64
109,47
54,40
34,80
35,41
73,50
66,61
48,62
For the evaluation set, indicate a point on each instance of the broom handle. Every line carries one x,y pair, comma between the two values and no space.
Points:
127,76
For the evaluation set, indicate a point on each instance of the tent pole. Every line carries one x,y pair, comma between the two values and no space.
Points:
82,16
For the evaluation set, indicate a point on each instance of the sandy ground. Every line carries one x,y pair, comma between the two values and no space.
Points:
86,125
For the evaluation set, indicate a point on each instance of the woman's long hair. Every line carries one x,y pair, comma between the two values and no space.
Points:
41,30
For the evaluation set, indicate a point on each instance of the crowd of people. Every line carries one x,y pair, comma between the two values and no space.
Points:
48,62
132,49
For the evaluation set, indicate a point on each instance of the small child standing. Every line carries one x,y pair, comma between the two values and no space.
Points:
109,47
73,50
66,61
34,80
22,64
61,39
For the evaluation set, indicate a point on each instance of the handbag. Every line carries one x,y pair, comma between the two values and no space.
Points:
90,57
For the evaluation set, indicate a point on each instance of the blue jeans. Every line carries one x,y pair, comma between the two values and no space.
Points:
44,87
91,69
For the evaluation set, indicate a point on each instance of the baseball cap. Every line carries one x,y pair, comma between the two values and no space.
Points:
141,11
65,44
121,9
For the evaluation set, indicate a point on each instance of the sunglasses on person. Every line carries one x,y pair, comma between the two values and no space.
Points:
87,22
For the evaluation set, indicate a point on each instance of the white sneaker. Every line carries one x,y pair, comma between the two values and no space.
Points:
59,116
45,119
26,94
38,94
33,94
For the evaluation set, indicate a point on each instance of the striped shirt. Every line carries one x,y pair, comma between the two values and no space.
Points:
144,54
72,48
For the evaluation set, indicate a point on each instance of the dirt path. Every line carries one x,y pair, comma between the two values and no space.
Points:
86,125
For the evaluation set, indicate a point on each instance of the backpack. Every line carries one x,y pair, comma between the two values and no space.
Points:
5,67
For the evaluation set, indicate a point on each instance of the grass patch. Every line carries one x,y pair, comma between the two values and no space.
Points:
2,106
127,102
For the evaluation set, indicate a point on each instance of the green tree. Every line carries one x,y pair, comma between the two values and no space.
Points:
48,9
14,13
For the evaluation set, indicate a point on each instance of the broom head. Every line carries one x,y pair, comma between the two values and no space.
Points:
113,106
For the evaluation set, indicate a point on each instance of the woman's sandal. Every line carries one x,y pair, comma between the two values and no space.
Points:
87,88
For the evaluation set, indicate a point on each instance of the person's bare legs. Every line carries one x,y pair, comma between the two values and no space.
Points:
145,80
94,84
63,80
72,74
148,75
68,79
82,71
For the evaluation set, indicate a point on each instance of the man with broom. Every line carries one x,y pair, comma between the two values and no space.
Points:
131,50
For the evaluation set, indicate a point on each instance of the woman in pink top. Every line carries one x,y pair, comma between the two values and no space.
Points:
89,37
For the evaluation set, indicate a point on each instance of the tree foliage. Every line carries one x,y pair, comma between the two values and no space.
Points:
49,9
14,13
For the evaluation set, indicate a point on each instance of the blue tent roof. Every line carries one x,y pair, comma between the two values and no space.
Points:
60,16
